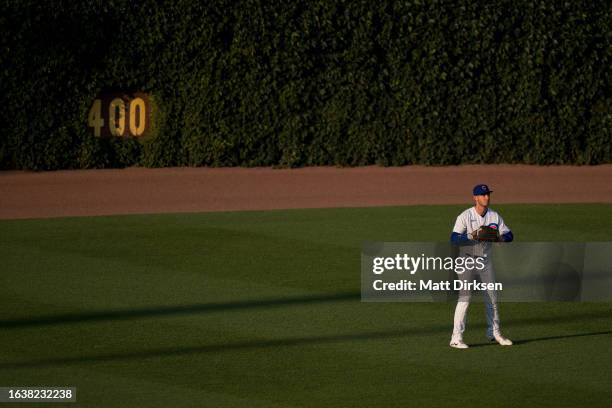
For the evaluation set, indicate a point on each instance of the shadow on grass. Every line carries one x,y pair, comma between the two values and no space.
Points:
547,338
272,344
222,347
206,308
154,312
567,336
161,311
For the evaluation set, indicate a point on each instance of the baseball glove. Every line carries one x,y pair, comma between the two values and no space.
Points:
486,233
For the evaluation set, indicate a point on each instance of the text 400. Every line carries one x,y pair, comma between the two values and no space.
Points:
136,119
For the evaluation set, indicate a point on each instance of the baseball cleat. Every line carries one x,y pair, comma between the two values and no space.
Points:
459,344
501,340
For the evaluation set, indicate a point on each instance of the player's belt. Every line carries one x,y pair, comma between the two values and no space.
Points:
477,256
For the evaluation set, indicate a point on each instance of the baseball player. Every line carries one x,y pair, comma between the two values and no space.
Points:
474,231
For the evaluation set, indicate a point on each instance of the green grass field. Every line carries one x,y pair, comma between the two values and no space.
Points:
262,309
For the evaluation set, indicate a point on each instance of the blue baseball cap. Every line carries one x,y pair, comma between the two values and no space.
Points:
482,189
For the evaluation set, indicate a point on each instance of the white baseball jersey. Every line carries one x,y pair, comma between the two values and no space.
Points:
469,221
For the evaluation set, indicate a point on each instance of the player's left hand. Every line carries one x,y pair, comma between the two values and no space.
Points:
486,233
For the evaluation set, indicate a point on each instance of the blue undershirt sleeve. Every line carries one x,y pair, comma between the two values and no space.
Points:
457,238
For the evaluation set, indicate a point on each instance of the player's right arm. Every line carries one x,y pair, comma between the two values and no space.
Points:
460,235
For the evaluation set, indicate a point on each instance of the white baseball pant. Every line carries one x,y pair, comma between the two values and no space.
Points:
486,275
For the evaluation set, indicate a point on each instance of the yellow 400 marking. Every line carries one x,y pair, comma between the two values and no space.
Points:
116,117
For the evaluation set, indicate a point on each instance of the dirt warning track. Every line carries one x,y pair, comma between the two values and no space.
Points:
175,190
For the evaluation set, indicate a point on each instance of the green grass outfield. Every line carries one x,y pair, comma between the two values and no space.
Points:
262,309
